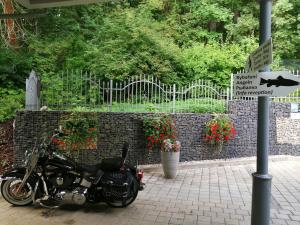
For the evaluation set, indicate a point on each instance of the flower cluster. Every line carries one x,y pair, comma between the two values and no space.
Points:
157,129
170,146
79,133
65,143
220,129
59,142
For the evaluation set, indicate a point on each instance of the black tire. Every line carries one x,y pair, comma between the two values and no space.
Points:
134,193
25,196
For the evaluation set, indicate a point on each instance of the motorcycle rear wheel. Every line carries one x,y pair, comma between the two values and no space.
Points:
22,197
119,203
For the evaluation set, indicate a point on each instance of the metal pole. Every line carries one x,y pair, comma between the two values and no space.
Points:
261,191
110,95
174,97
231,86
227,99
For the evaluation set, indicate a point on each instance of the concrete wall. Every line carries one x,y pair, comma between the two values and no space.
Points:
116,128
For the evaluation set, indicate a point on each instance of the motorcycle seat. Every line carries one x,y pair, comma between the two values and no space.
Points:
90,168
108,164
111,164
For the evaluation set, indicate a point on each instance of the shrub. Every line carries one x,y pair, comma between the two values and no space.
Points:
80,133
157,129
10,101
219,129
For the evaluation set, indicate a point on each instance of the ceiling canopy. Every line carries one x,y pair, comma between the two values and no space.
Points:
39,4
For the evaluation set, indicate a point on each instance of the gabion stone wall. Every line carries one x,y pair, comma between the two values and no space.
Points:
282,128
116,128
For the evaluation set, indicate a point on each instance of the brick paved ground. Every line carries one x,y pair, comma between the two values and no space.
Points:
209,193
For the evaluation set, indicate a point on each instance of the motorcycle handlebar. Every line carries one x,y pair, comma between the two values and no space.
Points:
125,150
56,134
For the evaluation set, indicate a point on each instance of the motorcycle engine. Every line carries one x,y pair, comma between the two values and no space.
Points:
62,180
77,196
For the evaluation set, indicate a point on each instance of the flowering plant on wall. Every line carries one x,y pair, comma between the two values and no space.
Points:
159,130
79,132
219,129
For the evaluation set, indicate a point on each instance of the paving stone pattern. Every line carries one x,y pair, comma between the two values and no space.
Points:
200,195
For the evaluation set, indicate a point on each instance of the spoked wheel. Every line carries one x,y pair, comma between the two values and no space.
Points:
118,203
14,195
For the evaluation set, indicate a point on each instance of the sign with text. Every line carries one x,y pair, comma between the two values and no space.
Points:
260,58
273,84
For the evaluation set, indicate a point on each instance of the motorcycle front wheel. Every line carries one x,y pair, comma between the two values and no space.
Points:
11,193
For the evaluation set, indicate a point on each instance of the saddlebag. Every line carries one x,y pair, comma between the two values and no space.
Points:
118,186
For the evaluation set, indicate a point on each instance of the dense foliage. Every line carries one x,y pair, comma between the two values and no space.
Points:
174,40
158,129
10,101
79,133
219,130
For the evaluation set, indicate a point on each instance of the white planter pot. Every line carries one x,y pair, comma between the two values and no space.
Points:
169,162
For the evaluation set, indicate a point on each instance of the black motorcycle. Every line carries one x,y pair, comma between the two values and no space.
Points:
54,179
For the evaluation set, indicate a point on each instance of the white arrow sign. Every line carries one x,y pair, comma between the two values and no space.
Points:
260,58
265,84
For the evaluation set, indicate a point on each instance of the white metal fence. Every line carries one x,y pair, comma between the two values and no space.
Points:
84,91
73,90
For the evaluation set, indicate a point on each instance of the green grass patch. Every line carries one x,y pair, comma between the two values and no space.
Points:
188,106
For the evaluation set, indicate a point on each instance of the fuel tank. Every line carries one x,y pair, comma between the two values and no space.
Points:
60,163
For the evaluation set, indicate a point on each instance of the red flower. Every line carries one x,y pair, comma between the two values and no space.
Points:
89,140
208,137
219,129
149,147
92,146
61,142
92,129
158,129
214,127
55,140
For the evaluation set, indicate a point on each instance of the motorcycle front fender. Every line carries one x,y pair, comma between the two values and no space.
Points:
14,173
18,173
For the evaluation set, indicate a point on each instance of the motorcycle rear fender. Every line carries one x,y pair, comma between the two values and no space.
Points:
134,171
132,168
